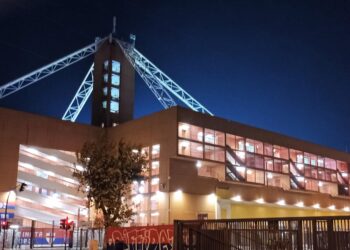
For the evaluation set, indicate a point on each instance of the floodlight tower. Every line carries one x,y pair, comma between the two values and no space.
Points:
114,85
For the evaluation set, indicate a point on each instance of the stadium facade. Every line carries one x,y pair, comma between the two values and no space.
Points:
200,166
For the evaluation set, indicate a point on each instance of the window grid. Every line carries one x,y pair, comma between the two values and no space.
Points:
274,160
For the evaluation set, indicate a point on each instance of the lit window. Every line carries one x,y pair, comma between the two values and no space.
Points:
105,65
105,78
155,168
115,66
115,93
255,176
155,151
155,181
115,80
214,153
105,90
280,152
104,104
249,147
114,107
278,180
254,146
320,162
190,132
214,137
330,164
193,149
254,161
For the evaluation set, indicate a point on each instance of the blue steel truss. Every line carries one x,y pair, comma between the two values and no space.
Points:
157,89
28,79
80,98
155,78
157,81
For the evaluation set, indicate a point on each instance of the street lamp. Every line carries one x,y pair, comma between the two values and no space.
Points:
21,186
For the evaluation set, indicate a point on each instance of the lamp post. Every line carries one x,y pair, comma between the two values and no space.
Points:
21,186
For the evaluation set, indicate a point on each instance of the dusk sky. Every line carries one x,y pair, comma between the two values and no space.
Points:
279,65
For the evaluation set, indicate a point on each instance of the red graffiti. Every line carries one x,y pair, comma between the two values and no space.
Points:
147,235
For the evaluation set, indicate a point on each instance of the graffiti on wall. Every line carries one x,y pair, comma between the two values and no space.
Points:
147,237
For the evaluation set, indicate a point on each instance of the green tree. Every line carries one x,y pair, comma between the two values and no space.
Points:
105,172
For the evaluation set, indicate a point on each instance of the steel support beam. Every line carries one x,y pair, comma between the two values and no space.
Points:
28,79
80,98
152,83
157,78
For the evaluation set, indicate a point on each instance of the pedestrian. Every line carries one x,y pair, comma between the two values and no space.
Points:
120,245
110,245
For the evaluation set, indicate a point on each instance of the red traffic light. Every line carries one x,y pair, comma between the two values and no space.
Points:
65,224
5,225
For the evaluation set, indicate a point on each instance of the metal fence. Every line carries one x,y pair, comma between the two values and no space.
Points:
312,233
29,238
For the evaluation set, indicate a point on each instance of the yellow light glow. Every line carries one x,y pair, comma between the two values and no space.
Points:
317,206
332,207
299,204
281,202
346,209
198,164
160,195
212,198
260,201
178,195
236,198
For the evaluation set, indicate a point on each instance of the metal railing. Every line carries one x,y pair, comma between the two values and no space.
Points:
32,238
310,233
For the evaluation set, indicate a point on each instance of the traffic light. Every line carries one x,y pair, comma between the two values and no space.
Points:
63,223
5,225
22,187
67,224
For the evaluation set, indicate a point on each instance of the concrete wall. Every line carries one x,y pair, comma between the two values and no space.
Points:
24,128
158,128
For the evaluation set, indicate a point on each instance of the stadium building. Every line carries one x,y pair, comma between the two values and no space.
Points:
200,166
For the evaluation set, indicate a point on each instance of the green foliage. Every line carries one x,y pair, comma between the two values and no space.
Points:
108,169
